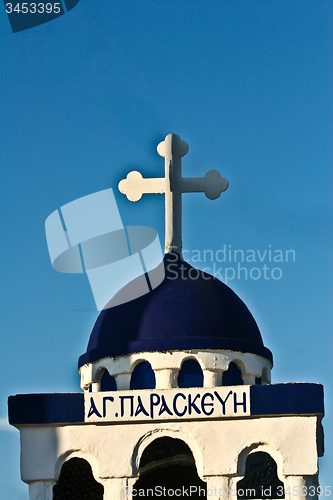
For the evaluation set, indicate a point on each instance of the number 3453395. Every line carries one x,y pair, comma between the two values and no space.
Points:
33,8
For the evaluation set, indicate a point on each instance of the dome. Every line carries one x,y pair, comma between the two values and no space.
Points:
190,309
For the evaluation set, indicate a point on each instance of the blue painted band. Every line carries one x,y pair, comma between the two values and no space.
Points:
46,408
274,400
287,399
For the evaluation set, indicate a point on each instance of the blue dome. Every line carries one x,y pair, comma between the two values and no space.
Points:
188,310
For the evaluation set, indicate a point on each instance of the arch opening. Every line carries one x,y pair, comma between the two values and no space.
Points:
143,377
190,374
265,376
261,479
76,480
233,376
108,382
167,468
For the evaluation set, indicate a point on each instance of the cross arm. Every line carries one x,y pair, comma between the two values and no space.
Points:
134,186
212,184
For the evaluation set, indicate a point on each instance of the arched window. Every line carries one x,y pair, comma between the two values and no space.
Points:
108,383
233,376
76,480
261,479
265,377
168,463
143,376
190,374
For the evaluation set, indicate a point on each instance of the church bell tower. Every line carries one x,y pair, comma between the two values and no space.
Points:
176,397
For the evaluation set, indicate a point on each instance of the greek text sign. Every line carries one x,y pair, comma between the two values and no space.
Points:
174,404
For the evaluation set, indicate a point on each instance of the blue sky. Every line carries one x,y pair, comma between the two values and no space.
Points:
87,97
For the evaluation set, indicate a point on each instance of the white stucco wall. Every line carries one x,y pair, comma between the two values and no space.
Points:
219,447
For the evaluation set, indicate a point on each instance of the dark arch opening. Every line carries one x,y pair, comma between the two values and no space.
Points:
76,480
261,479
233,376
143,377
108,383
167,469
264,376
190,374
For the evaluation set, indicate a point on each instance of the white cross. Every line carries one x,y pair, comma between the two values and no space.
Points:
173,185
